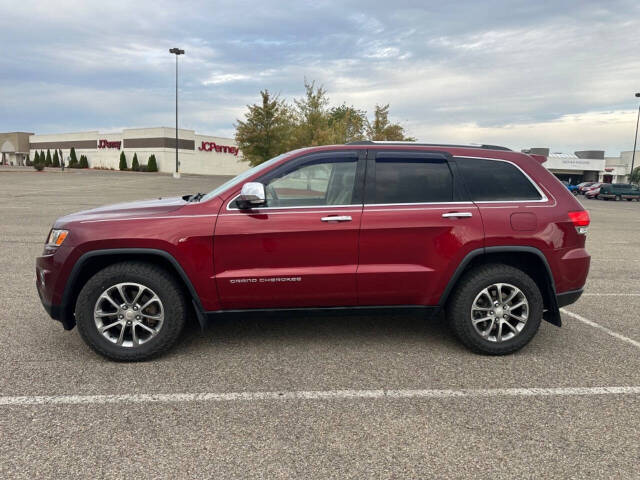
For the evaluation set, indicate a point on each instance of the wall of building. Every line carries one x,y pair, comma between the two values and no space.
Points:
220,156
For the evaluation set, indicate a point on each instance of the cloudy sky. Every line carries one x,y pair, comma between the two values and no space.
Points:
519,73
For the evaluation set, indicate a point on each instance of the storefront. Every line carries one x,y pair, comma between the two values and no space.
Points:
200,154
14,148
583,166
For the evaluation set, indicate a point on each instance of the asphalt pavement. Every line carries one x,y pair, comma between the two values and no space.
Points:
336,397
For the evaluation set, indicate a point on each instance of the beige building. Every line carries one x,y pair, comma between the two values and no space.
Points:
14,148
200,154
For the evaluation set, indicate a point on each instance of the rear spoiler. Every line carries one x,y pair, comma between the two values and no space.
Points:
539,158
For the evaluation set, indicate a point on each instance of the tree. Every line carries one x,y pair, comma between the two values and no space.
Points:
42,157
135,166
36,158
348,124
382,129
73,160
84,162
47,161
635,175
266,130
56,160
123,161
312,118
152,165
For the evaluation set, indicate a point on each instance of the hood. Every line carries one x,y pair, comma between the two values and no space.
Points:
141,208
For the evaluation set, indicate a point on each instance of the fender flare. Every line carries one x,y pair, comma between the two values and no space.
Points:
551,313
68,320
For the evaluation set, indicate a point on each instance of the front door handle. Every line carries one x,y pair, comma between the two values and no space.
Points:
337,218
457,215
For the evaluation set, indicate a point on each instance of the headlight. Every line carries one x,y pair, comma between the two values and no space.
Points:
56,237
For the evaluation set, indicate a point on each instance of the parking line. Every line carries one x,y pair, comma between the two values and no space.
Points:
611,294
312,395
617,335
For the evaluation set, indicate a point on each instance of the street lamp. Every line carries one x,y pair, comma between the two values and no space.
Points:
177,52
635,141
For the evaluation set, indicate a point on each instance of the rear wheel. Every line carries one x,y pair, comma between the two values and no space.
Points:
130,311
496,309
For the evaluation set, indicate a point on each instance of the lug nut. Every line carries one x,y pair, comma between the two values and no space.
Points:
491,312
504,316
135,308
137,317
120,316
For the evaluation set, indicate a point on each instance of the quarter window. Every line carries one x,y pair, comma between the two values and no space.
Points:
412,180
494,181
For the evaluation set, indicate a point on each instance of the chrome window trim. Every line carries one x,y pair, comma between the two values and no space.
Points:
543,196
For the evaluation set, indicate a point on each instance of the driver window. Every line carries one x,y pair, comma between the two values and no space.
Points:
325,182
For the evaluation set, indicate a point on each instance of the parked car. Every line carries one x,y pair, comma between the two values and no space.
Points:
592,193
582,186
619,191
593,186
363,226
572,188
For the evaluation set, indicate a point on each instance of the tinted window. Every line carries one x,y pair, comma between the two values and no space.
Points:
491,180
323,182
408,180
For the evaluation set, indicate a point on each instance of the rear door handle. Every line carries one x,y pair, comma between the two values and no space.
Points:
337,218
457,215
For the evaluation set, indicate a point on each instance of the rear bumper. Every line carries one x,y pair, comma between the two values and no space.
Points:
567,298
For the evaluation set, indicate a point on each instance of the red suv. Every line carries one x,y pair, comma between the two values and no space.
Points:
487,234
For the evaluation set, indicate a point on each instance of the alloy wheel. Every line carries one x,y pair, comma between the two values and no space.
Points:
499,312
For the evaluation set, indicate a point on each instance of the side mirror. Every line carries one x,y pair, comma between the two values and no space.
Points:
251,195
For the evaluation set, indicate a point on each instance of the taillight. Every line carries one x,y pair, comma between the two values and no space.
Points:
580,220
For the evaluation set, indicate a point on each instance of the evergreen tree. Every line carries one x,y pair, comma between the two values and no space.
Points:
152,165
56,160
266,129
135,166
47,161
312,118
123,161
36,158
73,160
84,162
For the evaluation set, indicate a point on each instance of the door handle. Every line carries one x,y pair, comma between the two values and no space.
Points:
337,218
457,215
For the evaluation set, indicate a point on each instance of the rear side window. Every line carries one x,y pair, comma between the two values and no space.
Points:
495,181
411,180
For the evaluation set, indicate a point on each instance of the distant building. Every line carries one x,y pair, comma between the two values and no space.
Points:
14,148
588,165
201,154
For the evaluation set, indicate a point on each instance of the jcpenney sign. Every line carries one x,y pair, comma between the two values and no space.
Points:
108,144
214,147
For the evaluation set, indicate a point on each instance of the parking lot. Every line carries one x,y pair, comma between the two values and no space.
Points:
338,397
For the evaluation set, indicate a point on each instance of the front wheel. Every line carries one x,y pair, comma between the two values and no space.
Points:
130,311
496,309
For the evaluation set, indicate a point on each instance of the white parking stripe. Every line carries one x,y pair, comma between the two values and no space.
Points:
611,294
313,395
617,335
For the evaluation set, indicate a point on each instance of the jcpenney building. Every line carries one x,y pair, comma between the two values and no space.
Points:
201,154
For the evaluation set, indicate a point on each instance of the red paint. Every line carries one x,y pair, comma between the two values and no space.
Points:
288,258
214,147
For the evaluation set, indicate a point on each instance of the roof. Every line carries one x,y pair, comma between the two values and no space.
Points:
371,142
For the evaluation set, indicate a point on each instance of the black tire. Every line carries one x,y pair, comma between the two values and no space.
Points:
151,276
470,285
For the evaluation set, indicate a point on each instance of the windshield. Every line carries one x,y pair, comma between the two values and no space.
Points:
243,176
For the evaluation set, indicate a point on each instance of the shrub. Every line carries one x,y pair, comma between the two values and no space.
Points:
135,165
123,161
84,162
73,161
27,162
143,168
47,161
39,166
56,160
42,157
36,158
152,166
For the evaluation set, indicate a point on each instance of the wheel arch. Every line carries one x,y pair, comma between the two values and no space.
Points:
528,259
91,262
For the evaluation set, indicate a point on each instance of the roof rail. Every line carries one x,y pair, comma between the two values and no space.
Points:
371,142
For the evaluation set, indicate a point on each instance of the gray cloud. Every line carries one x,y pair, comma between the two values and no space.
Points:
513,72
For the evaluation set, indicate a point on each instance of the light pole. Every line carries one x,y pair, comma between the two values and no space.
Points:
635,141
177,52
